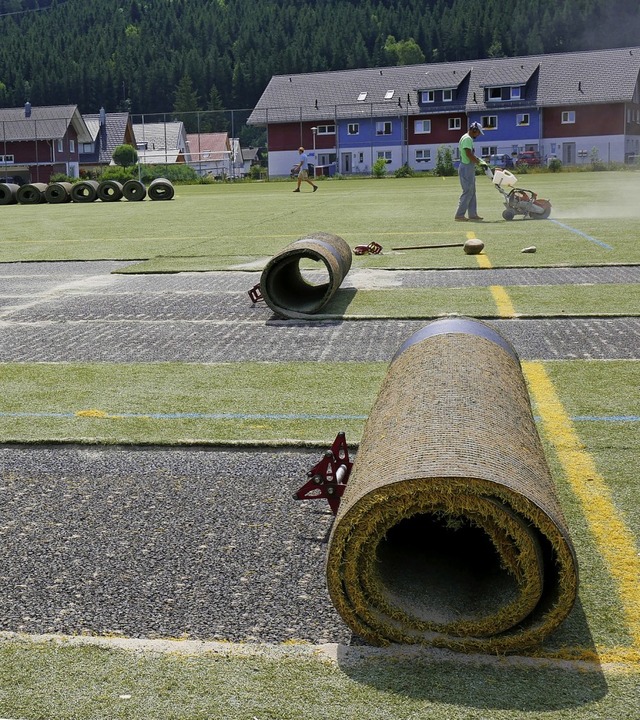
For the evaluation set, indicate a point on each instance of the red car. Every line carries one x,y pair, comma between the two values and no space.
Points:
529,157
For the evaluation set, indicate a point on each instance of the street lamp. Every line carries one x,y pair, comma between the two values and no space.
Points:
314,130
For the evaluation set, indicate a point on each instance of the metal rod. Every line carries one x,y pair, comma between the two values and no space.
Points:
428,247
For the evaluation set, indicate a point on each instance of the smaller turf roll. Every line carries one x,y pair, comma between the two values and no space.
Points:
292,293
58,193
109,191
134,191
8,193
31,194
85,191
161,189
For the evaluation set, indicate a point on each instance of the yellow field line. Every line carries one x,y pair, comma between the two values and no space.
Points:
502,301
615,541
498,293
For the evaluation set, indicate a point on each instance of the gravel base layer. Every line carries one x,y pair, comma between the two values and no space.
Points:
163,543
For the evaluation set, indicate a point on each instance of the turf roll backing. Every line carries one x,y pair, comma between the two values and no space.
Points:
134,191
109,191
85,191
8,193
161,189
31,194
294,292
58,193
449,532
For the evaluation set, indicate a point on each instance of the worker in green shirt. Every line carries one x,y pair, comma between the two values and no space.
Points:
467,174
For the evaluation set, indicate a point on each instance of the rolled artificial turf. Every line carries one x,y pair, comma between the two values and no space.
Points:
449,532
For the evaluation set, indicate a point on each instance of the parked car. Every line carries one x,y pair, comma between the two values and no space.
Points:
501,161
529,157
12,180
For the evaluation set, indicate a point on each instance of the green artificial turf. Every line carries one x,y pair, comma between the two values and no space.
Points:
57,682
236,226
173,403
527,301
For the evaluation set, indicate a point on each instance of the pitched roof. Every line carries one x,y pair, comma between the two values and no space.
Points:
208,146
599,76
161,136
114,134
50,122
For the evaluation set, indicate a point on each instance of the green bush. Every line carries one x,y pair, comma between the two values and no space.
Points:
379,169
61,177
176,173
555,165
405,171
444,162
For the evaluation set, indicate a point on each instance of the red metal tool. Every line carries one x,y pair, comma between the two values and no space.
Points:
329,477
373,248
255,294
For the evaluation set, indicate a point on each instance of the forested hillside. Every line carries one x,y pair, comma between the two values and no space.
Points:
134,54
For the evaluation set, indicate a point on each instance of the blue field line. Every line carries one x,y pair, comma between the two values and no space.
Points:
185,416
258,416
584,235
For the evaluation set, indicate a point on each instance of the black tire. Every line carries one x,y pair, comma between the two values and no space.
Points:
508,214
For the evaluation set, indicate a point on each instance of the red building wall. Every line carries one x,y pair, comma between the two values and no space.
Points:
290,136
590,120
440,132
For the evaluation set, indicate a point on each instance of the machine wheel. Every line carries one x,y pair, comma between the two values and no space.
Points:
508,214
546,207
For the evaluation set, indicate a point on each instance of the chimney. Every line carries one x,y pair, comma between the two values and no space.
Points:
103,117
27,109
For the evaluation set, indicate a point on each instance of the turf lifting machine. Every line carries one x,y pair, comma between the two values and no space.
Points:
517,201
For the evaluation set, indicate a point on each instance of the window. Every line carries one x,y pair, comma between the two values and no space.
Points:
389,94
423,155
86,148
488,150
362,97
568,116
494,94
360,157
447,95
353,129
522,119
428,96
72,146
60,146
489,122
326,129
422,126
383,128
7,159
455,124
516,93
386,154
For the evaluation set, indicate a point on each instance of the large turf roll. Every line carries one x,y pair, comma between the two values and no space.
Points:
161,189
8,193
292,293
85,191
449,532
57,193
109,191
134,190
31,194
